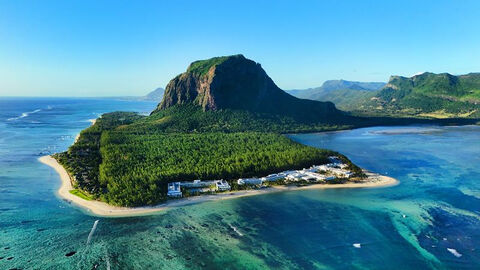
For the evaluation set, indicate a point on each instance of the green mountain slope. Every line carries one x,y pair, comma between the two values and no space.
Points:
344,94
353,85
427,95
345,99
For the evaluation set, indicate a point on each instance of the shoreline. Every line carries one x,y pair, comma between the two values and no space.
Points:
103,209
92,122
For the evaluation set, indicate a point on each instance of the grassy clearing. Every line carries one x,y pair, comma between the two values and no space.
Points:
81,194
442,114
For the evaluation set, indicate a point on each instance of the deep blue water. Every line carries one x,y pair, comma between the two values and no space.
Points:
409,226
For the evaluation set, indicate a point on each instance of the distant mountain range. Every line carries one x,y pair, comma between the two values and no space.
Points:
155,95
425,95
341,92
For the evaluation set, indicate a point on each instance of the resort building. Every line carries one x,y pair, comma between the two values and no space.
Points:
340,172
317,173
273,177
314,177
335,160
205,186
306,176
330,178
296,176
249,181
309,177
321,168
197,184
174,190
200,186
342,165
222,185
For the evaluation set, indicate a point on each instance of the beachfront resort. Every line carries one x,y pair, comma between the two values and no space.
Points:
316,174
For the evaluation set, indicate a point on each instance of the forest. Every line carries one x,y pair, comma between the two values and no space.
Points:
136,169
127,160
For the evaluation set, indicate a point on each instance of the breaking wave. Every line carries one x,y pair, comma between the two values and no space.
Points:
92,231
454,252
236,230
23,115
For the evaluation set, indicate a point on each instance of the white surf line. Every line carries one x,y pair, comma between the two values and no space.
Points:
454,252
357,245
23,115
82,257
92,231
236,230
107,260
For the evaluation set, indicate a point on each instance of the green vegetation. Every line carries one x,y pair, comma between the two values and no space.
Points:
136,169
344,94
345,99
191,118
126,159
82,194
83,158
203,66
425,95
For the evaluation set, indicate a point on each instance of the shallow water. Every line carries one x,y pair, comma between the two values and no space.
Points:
414,225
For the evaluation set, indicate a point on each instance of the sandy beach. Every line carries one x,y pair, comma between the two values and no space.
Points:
103,209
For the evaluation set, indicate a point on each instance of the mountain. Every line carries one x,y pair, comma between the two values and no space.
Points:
221,119
155,95
345,99
427,95
237,83
353,85
344,94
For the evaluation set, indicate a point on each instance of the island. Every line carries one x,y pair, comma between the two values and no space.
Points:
218,133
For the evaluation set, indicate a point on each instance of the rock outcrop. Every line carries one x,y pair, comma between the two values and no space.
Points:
235,82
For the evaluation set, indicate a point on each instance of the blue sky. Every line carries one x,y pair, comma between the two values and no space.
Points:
106,48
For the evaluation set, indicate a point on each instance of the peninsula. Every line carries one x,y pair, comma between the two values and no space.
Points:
218,129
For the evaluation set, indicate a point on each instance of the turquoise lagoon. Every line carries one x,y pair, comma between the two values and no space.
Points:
429,221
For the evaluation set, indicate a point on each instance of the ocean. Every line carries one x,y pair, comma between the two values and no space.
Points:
429,221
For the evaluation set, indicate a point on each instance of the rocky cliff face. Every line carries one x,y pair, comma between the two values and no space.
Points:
235,82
